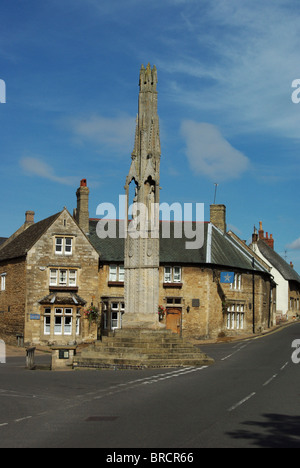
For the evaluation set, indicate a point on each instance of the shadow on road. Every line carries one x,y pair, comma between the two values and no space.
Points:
278,431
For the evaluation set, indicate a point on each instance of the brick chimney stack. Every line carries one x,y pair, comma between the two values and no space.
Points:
29,218
218,216
81,213
291,264
268,240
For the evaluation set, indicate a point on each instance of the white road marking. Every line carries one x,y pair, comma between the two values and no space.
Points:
270,380
23,419
284,366
242,401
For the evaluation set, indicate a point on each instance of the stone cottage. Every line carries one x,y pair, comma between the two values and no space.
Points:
49,275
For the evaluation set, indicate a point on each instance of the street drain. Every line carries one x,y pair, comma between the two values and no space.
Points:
101,418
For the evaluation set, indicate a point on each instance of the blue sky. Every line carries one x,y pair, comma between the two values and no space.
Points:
225,71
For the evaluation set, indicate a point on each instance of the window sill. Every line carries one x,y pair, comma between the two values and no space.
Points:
173,285
118,284
64,288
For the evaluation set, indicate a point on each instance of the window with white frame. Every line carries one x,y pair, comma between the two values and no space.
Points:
172,274
47,321
3,281
236,317
63,277
63,321
237,284
63,245
116,273
112,315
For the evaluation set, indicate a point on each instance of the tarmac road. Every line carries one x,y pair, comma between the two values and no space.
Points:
249,398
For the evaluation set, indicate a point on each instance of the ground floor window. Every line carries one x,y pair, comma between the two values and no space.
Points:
113,311
59,321
236,317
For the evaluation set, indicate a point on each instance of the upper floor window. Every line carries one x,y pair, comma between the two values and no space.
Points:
3,281
63,277
237,284
116,273
172,275
63,245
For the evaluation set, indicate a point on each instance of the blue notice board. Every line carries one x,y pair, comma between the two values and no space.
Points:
35,316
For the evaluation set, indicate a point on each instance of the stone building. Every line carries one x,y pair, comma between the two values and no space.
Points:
286,278
194,300
49,273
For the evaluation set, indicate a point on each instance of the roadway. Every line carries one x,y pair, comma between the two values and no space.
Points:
249,398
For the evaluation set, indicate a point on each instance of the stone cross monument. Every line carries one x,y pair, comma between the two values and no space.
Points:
142,241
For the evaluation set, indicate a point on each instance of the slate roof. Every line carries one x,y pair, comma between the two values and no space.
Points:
278,262
2,240
19,246
64,298
217,249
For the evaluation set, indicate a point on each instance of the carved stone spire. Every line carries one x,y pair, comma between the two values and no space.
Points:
142,248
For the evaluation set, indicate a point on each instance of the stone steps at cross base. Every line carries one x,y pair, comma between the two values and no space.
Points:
141,349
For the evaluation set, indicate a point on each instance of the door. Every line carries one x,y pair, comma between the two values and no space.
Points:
173,321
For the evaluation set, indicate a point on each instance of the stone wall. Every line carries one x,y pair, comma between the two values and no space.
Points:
12,300
40,259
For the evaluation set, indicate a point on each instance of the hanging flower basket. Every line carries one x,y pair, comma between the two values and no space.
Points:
161,312
92,314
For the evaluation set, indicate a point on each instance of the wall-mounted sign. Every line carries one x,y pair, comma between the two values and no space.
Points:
35,316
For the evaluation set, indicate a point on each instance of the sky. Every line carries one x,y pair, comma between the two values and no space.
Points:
227,103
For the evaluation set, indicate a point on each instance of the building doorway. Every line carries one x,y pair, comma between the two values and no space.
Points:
173,320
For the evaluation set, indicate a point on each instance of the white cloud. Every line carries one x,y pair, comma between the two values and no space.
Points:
209,154
115,133
36,167
246,60
294,245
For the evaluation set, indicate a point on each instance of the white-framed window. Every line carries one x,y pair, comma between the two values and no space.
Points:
63,321
59,245
3,281
172,274
121,273
63,245
53,277
78,322
236,317
112,315
47,321
72,277
63,277
58,320
68,245
116,273
237,284
68,325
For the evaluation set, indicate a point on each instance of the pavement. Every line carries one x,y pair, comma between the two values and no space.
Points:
14,351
